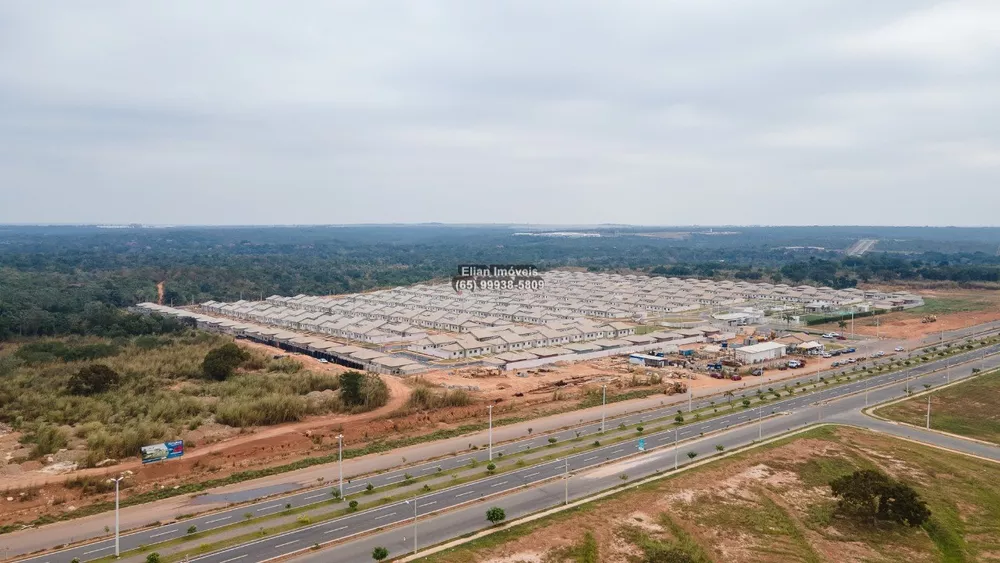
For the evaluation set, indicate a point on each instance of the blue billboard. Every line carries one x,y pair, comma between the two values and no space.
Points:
160,452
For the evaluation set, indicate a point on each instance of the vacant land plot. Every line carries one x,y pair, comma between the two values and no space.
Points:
971,409
772,504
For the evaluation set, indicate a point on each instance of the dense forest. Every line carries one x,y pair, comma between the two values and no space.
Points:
75,280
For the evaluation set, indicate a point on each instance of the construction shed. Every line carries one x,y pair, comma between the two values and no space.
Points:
647,360
760,352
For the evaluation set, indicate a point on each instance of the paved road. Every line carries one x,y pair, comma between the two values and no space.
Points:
387,515
800,411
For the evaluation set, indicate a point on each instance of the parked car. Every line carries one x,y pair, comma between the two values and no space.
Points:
324,361
851,360
900,349
836,353
827,355
841,337
850,351
828,335
794,364
758,371
835,364
736,377
715,375
879,354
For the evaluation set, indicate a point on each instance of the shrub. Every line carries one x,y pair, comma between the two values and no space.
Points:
267,410
552,440
872,495
495,515
192,529
153,558
47,438
380,553
353,505
491,468
93,379
220,363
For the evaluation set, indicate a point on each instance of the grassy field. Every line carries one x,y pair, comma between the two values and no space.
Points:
769,504
952,304
971,409
161,393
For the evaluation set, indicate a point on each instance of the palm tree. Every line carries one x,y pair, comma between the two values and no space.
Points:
729,395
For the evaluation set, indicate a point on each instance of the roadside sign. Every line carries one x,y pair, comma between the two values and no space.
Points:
160,452
642,444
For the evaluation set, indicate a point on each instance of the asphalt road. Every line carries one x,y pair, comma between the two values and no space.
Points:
798,411
390,514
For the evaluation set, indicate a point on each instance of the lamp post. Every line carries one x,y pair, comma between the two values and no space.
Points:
117,481
675,449
604,405
928,412
490,409
340,462
414,525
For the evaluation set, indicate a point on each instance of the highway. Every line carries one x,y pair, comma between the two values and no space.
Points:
394,513
800,411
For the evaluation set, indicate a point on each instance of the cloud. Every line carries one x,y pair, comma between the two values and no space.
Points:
717,111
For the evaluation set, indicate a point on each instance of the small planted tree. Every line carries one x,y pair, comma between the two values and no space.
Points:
353,505
153,558
495,515
380,553
692,455
719,447
491,468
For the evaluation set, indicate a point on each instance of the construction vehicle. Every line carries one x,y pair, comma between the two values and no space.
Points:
929,319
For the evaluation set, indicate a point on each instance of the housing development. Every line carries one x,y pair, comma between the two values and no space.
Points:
578,316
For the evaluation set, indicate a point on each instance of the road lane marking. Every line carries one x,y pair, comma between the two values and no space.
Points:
384,516
393,478
429,503
336,530
234,558
219,519
618,450
162,534
531,474
266,508
96,550
498,484
463,494
315,496
590,458
286,543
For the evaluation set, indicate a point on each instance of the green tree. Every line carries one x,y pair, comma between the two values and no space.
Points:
842,324
351,383
153,558
380,553
220,363
495,515
93,379
873,495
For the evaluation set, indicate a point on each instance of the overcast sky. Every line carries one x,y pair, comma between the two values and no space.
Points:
658,112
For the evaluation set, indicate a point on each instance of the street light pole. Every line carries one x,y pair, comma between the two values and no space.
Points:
604,405
928,412
490,408
414,526
760,423
340,462
117,520
566,479
675,449
690,396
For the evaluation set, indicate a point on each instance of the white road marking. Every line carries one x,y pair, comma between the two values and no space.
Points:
219,519
589,458
463,494
315,496
384,516
336,530
429,503
498,484
618,450
531,474
286,543
96,550
269,507
235,558
162,533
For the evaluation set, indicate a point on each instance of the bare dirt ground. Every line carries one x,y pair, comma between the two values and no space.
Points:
983,306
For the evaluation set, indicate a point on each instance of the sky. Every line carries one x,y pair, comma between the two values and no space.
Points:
659,112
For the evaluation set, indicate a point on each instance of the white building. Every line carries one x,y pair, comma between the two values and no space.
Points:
760,352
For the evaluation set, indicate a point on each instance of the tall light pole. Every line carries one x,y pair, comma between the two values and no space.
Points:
604,405
490,408
928,412
566,481
340,462
414,524
675,449
117,520
690,396
760,423
866,391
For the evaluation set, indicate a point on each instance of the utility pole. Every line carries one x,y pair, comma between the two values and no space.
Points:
760,423
690,396
490,408
340,462
117,521
604,405
414,524
866,391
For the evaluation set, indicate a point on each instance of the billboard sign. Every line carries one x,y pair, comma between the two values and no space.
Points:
160,452
642,444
